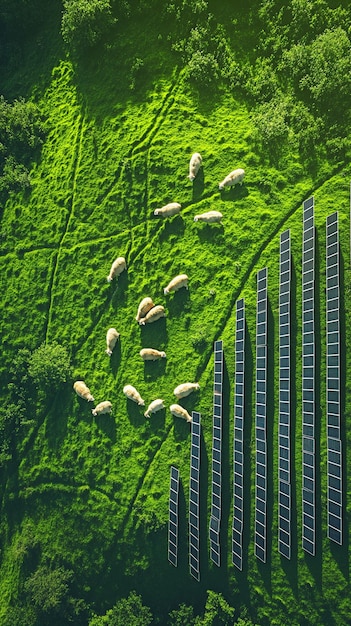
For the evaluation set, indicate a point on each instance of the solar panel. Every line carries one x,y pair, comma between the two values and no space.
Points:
334,448
216,494
261,410
308,379
284,445
173,517
238,447
194,496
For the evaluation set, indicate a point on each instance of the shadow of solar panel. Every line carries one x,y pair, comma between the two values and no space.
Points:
173,517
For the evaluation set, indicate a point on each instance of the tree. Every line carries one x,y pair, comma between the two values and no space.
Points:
84,22
183,616
49,366
128,611
48,589
217,611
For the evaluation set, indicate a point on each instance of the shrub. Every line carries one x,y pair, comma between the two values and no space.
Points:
128,610
85,22
49,366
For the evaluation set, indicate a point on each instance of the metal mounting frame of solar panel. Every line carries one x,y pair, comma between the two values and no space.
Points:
261,412
308,380
284,443
173,516
194,497
334,447
238,445
216,491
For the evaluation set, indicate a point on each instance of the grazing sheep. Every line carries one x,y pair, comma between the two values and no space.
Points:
111,340
154,406
154,314
102,407
235,177
117,268
82,390
168,210
179,411
133,394
177,283
144,307
194,165
210,217
185,389
151,354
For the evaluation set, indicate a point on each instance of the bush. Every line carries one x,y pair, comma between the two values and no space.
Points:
127,611
49,366
85,22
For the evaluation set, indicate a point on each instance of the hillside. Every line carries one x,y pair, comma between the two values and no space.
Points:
84,500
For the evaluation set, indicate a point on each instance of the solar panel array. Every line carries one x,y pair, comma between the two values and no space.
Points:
284,444
216,499
334,448
308,381
194,497
173,517
261,412
238,461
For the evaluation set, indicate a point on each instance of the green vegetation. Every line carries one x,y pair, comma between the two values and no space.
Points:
103,104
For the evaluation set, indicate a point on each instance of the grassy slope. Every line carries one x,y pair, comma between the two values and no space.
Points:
97,489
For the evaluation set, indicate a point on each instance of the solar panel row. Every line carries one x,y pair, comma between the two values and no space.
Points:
216,494
194,497
261,411
173,517
334,448
238,460
284,445
308,380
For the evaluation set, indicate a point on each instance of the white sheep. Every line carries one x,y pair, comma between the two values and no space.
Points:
154,314
185,389
154,406
111,339
117,268
235,177
144,307
194,165
133,394
102,407
177,283
168,210
179,411
82,390
210,217
151,354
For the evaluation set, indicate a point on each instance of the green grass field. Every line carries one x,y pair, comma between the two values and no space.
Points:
91,494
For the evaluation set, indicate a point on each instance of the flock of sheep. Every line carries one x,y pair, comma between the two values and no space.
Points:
148,312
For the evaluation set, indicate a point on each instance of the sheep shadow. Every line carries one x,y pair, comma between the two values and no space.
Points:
238,192
157,421
178,303
181,429
119,294
154,369
171,226
135,413
115,358
106,423
211,232
154,335
198,185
